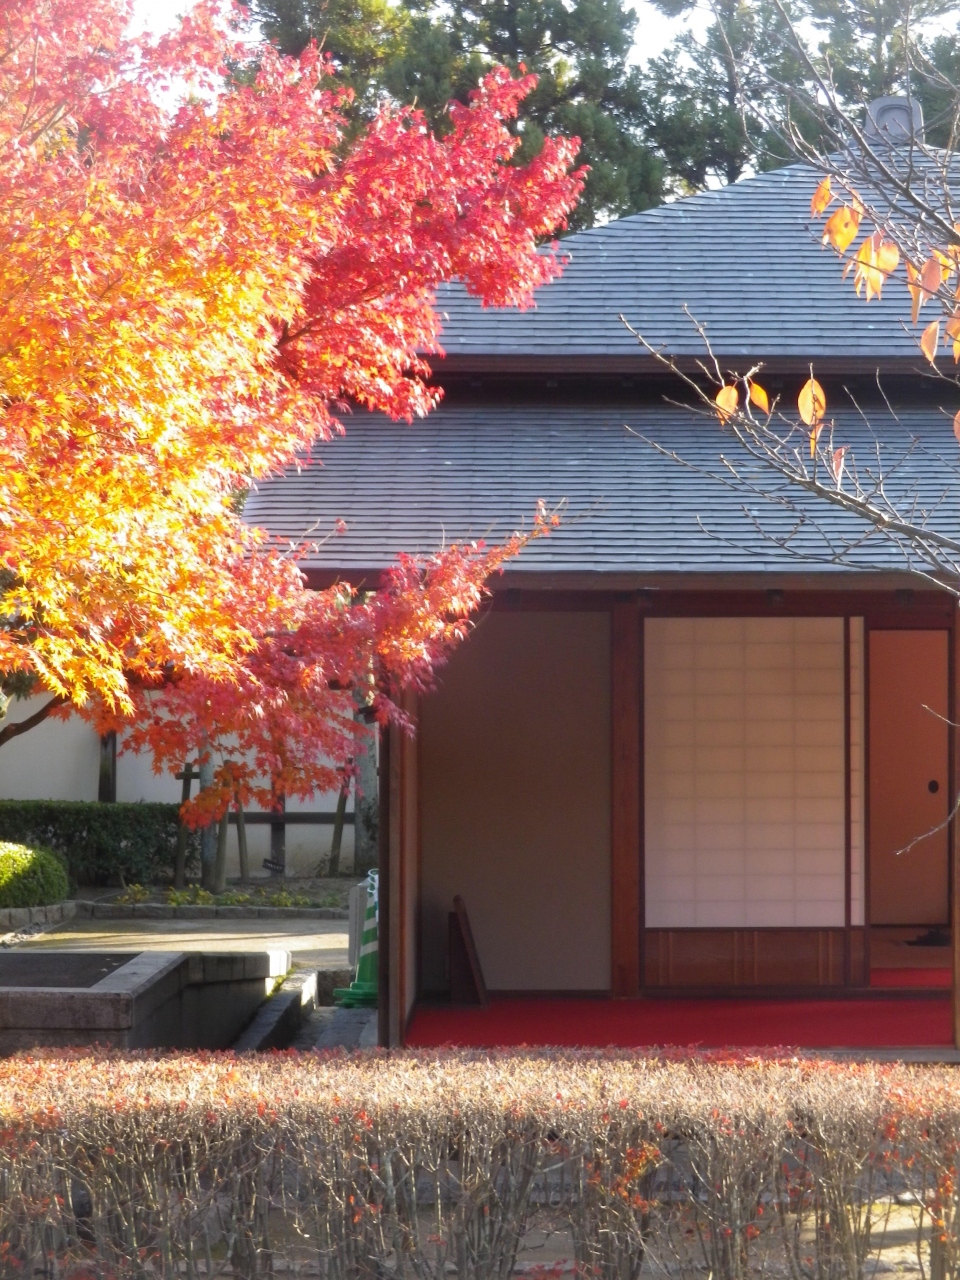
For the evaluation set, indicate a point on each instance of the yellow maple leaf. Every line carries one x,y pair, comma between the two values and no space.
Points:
727,401
821,198
811,402
841,228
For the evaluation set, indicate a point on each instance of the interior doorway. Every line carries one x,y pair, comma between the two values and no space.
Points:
909,791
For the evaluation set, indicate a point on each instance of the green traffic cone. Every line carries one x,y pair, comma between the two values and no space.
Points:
362,991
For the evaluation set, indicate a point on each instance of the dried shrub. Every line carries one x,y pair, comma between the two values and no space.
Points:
834,1180
419,1164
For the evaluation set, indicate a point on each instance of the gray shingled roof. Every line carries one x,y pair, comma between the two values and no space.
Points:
468,472
746,260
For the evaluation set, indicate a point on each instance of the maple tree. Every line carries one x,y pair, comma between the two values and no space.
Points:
173,326
428,53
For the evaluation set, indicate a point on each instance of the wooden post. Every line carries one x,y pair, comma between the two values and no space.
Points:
625,797
333,869
953,685
107,785
847,812
186,776
208,835
220,866
384,892
276,864
242,844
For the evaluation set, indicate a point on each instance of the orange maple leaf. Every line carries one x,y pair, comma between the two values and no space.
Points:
811,402
821,198
930,340
841,228
759,397
727,401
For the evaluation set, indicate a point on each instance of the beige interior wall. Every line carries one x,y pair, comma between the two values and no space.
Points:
515,802
745,791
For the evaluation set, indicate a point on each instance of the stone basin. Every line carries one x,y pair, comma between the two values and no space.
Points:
143,1000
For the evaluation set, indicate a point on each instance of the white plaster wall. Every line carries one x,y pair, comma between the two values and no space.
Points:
60,760
744,772
56,760
307,845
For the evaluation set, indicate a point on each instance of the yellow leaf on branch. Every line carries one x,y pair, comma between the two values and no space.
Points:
931,278
841,228
759,397
888,257
728,400
931,340
811,402
821,198
868,275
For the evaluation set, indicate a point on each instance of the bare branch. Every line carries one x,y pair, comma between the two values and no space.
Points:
11,731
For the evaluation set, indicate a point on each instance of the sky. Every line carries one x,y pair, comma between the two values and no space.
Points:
654,31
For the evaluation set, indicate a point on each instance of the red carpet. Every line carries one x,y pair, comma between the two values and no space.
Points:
811,1024
911,978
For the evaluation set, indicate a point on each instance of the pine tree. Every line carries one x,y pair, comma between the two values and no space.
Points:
362,36
715,101
428,53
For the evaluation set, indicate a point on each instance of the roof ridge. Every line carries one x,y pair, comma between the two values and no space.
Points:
729,190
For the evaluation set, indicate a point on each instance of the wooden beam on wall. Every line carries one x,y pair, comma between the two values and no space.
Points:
408,871
953,712
626,799
847,811
399,872
394,1021
385,826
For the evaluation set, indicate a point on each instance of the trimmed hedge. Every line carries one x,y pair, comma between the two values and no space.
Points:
101,844
419,1165
31,877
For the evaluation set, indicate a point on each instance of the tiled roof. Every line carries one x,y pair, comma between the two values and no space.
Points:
745,260
470,472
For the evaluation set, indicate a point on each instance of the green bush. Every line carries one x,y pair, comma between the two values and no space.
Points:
31,877
101,843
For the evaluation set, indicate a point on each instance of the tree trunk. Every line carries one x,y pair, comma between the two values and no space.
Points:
242,844
186,776
15,728
333,868
208,836
278,839
366,801
220,866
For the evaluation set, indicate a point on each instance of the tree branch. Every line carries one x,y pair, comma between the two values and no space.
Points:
22,726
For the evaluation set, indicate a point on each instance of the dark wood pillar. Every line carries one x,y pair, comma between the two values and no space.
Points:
383,892
107,785
626,832
954,833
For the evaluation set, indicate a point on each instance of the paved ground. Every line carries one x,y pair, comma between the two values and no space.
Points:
332,1028
314,944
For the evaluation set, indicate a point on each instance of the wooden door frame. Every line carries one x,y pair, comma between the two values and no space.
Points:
953,740
626,799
